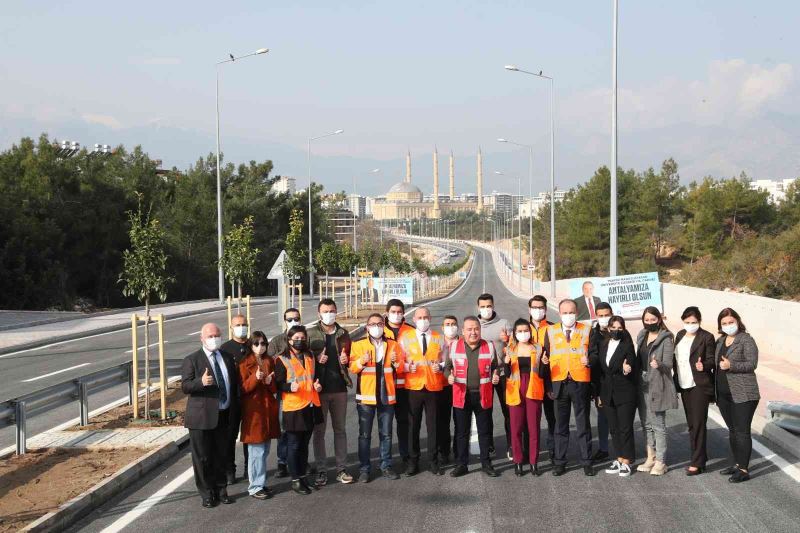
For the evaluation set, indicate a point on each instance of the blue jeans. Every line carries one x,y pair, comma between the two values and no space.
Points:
366,416
257,466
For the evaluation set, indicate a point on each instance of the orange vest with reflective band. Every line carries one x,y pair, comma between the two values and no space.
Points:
401,372
565,358
423,376
366,386
538,334
303,375
458,355
535,389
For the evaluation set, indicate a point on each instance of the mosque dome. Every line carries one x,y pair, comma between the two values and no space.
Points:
404,192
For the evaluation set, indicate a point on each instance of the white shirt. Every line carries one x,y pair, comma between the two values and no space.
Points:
682,352
427,334
380,349
212,356
612,346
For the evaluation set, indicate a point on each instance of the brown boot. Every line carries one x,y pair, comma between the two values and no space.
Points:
659,469
649,463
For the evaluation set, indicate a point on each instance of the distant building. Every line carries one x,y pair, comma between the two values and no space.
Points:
541,200
775,188
342,224
357,205
285,184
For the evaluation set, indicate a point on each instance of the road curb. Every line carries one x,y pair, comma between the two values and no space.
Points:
70,512
781,438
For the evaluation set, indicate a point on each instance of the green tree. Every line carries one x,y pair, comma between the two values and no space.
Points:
296,254
327,258
239,256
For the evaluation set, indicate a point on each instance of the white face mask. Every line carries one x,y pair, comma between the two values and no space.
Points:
486,312
328,318
291,323
730,329
423,325
240,332
568,319
523,336
396,318
258,350
450,331
538,314
212,344
376,332
603,321
691,328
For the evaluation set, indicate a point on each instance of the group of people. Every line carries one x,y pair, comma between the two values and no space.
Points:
286,389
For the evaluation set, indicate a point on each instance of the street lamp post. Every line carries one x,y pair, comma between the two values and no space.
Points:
530,207
612,266
310,247
514,68
221,274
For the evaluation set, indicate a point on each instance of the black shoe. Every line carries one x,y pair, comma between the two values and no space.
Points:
599,455
435,470
224,498
231,476
728,471
588,471
518,471
262,494
283,471
363,477
444,459
388,473
535,470
559,470
697,472
413,469
300,488
739,476
458,471
208,503
489,470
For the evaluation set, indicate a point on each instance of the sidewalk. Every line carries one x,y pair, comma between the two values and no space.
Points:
24,338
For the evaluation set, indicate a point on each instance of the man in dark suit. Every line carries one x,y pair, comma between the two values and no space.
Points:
587,302
237,347
211,380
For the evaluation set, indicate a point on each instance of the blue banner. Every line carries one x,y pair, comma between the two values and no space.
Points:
381,290
628,295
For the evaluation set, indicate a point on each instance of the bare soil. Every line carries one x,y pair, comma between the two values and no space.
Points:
36,483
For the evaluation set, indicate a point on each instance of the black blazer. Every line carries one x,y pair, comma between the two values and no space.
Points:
583,310
202,407
703,347
614,386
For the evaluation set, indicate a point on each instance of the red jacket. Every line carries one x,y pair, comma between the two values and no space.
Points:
259,404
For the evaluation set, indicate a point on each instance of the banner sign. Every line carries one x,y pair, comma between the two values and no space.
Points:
381,290
628,295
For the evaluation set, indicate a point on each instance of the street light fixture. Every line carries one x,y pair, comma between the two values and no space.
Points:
221,275
530,205
514,68
310,246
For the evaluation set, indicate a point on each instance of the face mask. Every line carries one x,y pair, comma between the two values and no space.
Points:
652,328
568,319
240,332
213,343
328,318
299,345
450,331
396,318
376,332
523,336
258,350
291,323
603,321
616,334
691,328
538,314
730,329
423,325
486,313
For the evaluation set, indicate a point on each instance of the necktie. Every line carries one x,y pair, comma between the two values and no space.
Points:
591,308
223,390
568,333
424,344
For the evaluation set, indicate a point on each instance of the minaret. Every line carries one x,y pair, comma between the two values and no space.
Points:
452,178
408,167
436,213
479,209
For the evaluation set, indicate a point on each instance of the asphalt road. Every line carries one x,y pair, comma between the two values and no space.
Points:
166,500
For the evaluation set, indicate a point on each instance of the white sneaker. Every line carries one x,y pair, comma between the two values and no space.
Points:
615,468
624,470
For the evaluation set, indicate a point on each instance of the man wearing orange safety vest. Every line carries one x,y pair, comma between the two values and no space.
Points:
375,360
395,326
471,369
423,352
566,354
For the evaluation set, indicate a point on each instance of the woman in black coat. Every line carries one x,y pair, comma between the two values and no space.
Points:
615,375
693,372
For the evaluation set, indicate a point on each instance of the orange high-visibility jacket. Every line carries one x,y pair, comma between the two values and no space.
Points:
423,376
366,391
303,375
565,358
535,390
401,372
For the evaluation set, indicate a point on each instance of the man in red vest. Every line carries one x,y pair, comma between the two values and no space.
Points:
472,370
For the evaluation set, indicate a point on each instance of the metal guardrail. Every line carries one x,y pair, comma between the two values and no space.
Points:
16,411
786,416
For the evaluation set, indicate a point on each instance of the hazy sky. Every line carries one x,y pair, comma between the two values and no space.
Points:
712,84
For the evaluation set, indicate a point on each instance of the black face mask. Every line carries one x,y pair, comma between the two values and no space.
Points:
299,345
652,328
616,334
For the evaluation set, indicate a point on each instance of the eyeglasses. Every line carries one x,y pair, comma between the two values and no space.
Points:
259,343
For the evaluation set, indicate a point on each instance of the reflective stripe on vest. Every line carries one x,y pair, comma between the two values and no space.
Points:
423,377
367,382
303,375
535,389
565,358
458,356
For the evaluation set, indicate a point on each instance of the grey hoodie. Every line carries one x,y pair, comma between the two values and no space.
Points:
492,330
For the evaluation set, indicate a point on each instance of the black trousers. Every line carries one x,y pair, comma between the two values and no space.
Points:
483,419
210,455
417,401
550,414
620,424
444,414
500,390
695,405
738,417
297,452
573,394
401,417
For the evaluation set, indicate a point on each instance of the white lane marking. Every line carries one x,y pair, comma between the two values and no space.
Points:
37,378
142,347
194,333
148,503
786,467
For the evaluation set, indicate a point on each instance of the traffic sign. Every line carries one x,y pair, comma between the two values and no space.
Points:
276,272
